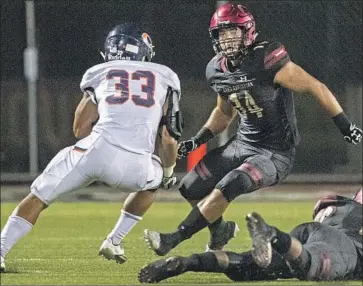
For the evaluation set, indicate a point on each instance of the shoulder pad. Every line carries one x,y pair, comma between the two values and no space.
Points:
90,76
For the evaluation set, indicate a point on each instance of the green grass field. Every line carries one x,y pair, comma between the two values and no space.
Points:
63,247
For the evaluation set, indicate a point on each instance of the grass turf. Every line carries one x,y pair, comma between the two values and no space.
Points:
63,247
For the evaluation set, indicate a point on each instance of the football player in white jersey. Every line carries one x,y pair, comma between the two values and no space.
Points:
125,101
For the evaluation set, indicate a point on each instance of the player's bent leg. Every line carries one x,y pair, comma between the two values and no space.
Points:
198,183
242,267
66,172
328,253
236,266
195,186
201,181
135,206
257,172
60,176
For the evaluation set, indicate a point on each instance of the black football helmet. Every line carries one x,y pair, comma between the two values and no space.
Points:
128,42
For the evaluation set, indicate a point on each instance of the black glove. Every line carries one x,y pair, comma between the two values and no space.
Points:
353,134
168,182
185,147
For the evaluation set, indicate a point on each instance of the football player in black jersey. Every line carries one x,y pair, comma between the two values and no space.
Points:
257,81
330,248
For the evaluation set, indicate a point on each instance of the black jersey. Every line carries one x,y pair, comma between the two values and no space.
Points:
267,113
342,213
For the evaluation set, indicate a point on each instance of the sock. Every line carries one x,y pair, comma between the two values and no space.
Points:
193,223
282,242
203,262
219,223
14,229
123,226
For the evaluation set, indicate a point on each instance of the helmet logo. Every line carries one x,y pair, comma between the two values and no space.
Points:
147,40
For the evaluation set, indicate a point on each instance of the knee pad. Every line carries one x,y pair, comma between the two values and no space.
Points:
192,187
183,190
236,183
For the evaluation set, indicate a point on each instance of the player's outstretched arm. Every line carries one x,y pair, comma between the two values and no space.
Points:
220,118
293,77
84,117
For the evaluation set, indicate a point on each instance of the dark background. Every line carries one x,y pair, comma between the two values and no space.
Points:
324,37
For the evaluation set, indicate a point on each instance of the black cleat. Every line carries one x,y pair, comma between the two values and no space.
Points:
221,236
159,242
261,234
161,269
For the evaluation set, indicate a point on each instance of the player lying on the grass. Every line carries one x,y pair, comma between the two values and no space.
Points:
256,79
330,248
119,115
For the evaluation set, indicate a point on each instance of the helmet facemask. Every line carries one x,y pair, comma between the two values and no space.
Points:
233,40
230,42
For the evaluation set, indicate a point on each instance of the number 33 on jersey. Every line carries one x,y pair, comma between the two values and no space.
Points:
130,96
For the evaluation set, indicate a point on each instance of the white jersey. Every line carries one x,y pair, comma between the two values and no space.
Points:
130,96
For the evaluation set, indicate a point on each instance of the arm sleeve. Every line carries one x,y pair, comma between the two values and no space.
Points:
275,58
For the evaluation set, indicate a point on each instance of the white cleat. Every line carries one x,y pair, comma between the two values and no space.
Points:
2,265
112,252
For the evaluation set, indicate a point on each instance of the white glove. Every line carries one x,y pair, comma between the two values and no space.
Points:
169,178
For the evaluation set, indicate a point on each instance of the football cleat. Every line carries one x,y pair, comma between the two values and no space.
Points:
2,264
221,236
161,269
112,252
160,243
261,234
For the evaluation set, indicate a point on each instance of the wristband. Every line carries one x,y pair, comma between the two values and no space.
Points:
342,122
203,136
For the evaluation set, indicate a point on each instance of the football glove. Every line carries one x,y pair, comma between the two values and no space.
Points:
185,147
353,134
168,182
